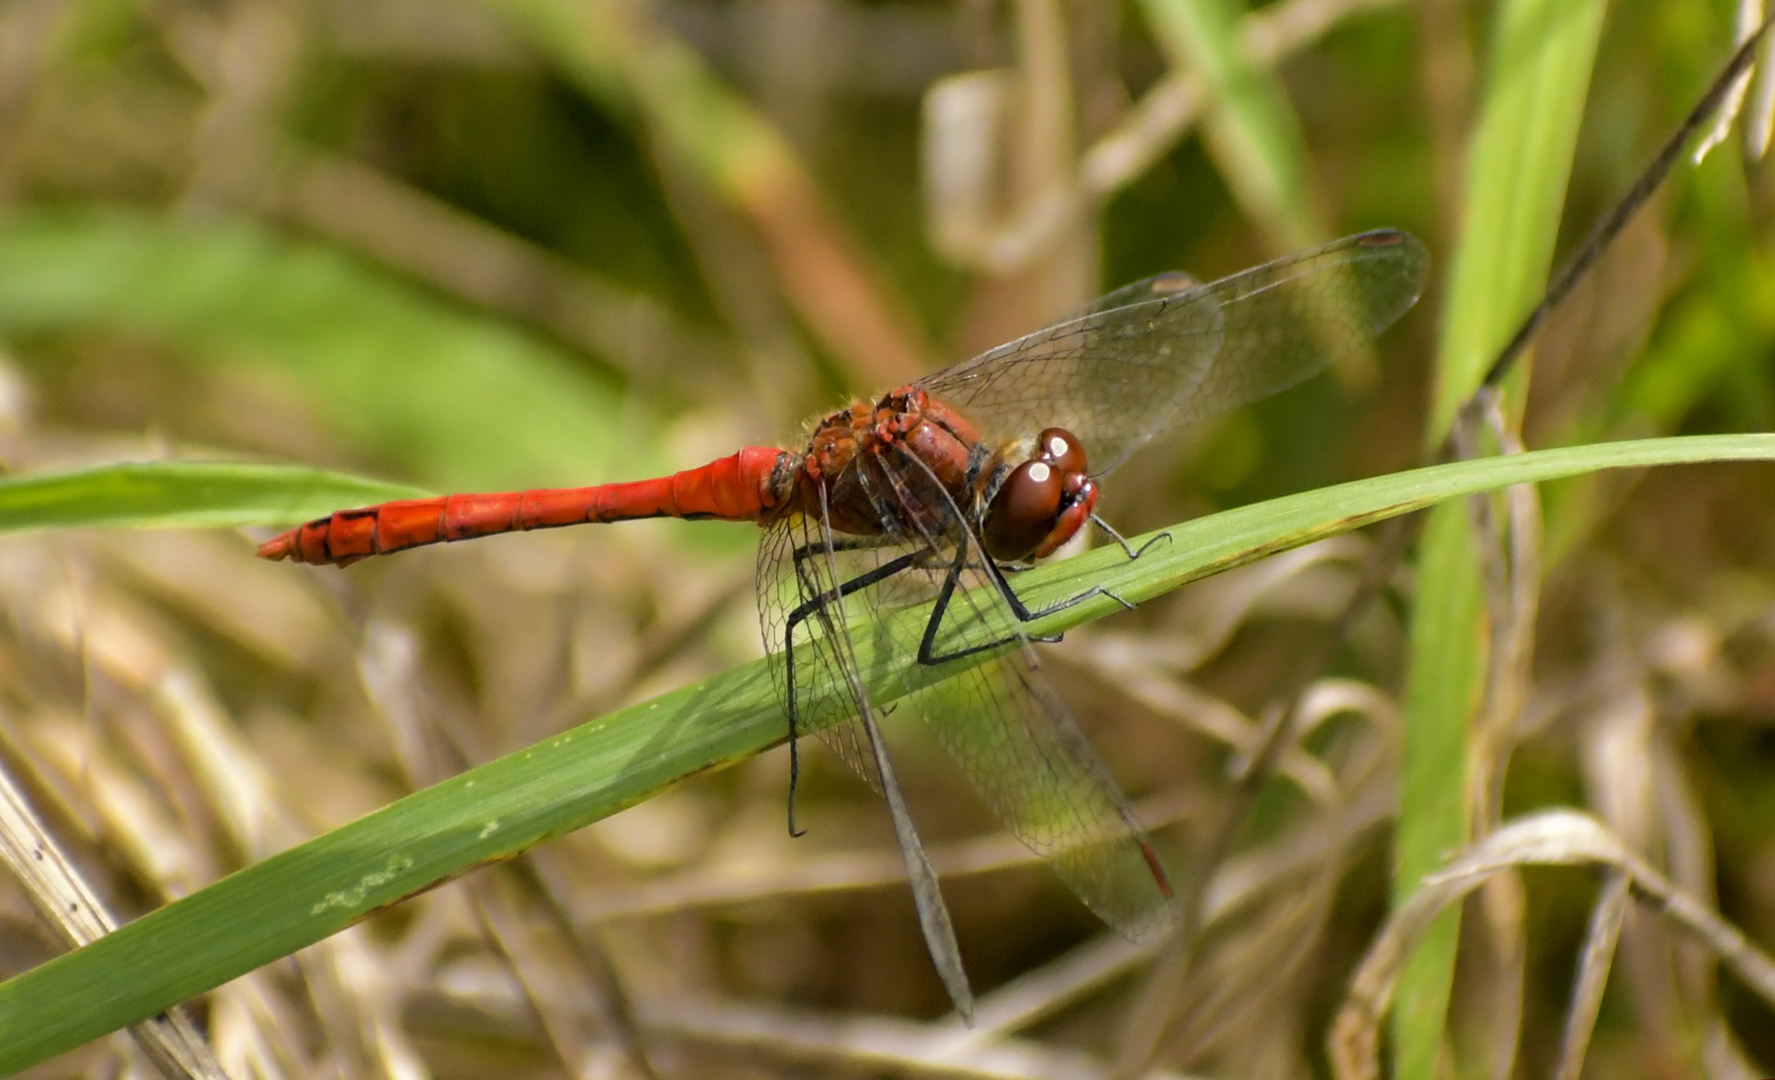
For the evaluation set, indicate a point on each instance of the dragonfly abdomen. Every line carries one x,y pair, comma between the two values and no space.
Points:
739,487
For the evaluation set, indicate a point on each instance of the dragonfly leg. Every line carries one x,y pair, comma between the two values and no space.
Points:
1026,614
1031,614
808,551
816,605
1018,568
1131,552
927,653
927,646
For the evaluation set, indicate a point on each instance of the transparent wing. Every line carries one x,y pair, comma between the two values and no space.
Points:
1002,722
807,621
1164,353
1170,283
812,681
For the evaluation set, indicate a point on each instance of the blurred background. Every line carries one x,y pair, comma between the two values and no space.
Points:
477,244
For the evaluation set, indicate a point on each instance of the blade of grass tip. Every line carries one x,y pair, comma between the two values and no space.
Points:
1518,166
297,897
181,494
1251,127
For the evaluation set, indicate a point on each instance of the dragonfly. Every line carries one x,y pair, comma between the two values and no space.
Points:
933,496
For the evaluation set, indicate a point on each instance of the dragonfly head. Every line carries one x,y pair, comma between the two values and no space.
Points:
1042,502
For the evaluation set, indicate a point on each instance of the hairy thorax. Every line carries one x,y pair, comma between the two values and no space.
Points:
906,464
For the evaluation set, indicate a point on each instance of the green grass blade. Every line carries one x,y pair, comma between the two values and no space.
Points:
174,494
1251,128
300,896
1520,163
646,72
457,399
1518,167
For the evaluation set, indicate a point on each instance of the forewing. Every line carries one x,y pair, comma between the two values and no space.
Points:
1105,376
1157,355
1288,319
1159,286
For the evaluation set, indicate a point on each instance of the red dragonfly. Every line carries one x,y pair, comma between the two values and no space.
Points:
936,493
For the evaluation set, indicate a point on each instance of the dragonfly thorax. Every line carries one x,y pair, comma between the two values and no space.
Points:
908,465
1041,503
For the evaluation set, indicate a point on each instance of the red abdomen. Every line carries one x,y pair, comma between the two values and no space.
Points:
741,487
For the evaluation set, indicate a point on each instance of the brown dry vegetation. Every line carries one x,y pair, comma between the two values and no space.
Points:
471,244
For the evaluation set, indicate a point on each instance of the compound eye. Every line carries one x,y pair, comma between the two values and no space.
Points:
1023,512
1059,448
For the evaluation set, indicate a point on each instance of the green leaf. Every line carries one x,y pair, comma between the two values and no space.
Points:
1515,187
300,896
172,494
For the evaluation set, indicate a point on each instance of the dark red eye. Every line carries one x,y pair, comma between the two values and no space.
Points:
1059,448
1023,512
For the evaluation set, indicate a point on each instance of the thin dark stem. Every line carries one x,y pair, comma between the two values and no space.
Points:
1610,227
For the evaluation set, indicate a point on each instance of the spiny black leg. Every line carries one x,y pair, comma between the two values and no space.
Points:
1025,613
927,647
801,554
1073,601
794,720
1117,537
806,610
806,551
794,754
861,581
927,644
